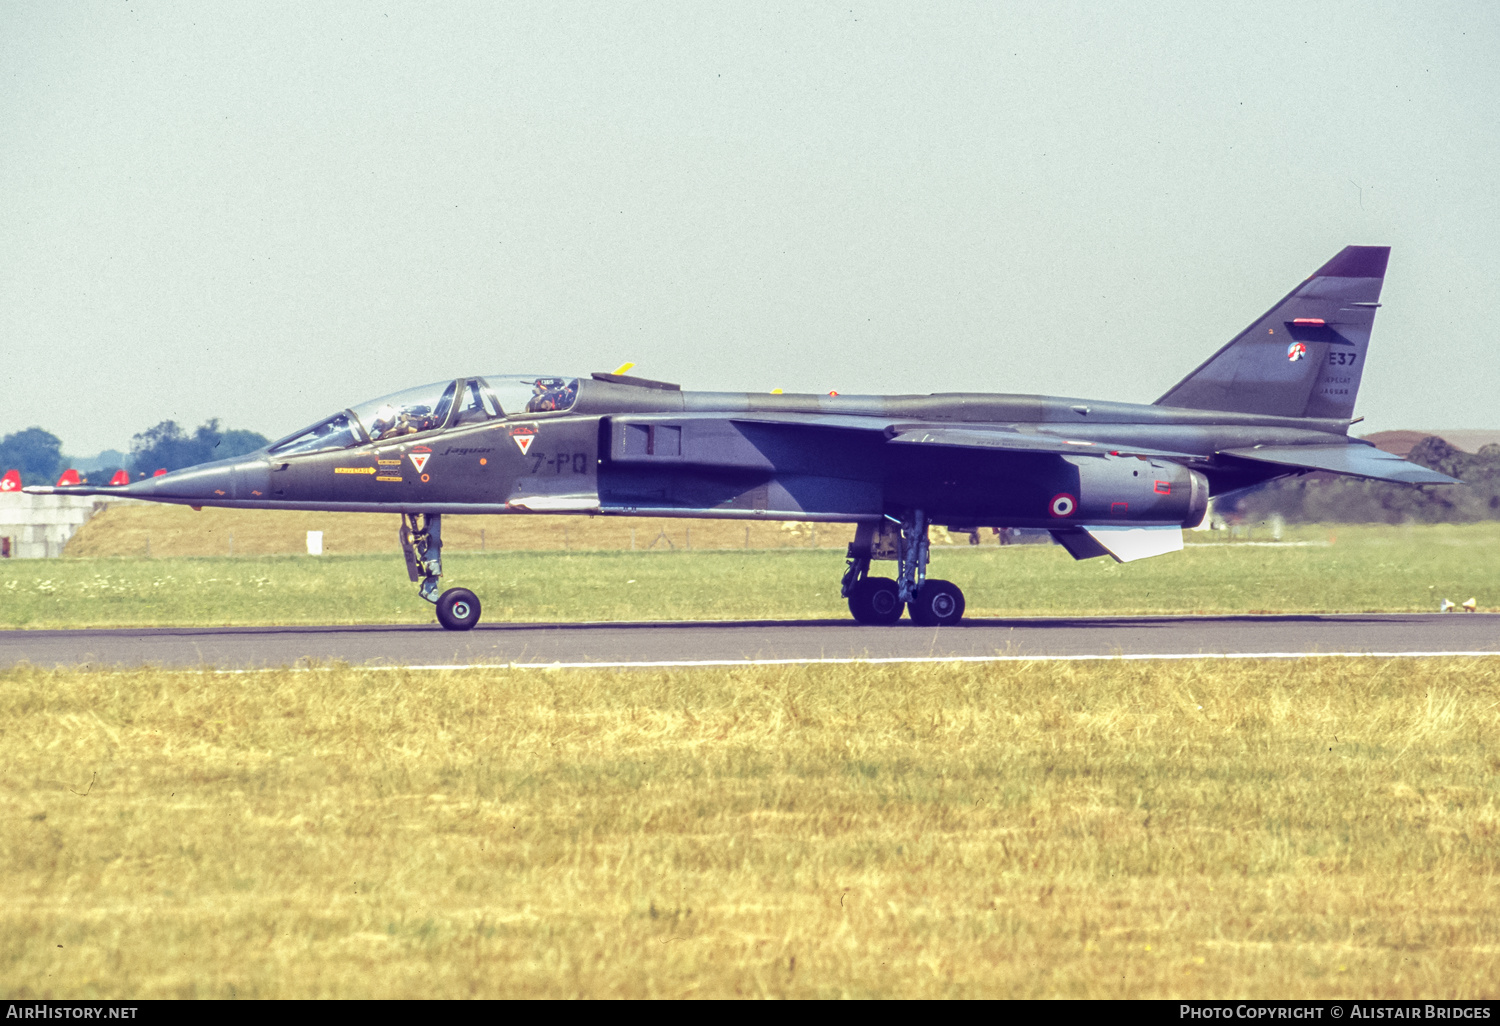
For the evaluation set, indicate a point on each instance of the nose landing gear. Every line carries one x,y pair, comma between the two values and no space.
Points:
880,600
422,542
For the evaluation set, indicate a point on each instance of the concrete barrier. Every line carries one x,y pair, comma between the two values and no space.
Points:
38,526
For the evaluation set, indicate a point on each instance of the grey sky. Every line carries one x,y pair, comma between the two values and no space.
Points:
263,212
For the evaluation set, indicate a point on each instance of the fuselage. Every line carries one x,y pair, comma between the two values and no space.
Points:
626,447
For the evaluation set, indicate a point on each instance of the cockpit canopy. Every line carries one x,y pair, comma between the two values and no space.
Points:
443,404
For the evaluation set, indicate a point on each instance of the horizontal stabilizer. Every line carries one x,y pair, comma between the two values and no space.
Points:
1125,544
1354,459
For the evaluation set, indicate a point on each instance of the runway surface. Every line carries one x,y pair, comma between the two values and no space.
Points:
685,643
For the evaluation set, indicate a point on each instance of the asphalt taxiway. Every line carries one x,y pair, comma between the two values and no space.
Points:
718,642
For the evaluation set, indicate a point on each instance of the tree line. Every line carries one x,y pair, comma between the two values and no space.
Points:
38,454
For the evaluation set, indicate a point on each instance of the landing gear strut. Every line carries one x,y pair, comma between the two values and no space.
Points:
422,542
872,600
880,600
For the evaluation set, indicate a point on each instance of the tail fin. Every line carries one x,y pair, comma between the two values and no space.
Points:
11,482
1305,356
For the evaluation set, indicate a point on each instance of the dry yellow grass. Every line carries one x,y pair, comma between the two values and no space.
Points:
1277,829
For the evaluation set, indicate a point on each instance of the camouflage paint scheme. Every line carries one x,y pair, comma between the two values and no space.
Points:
1276,400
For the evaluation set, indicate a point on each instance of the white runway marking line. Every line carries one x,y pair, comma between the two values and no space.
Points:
888,660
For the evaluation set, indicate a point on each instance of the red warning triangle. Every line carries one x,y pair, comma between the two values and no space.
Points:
419,459
523,442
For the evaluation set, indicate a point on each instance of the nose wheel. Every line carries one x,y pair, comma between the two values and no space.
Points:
458,609
422,542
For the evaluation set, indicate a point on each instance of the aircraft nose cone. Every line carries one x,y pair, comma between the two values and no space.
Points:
223,481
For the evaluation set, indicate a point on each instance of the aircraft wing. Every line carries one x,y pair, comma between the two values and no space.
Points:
967,436
972,437
1354,459
844,421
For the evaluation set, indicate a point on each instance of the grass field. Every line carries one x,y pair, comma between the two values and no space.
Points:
1365,569
1278,829
140,529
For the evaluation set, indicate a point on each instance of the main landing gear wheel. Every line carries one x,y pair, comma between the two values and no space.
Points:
875,600
458,609
937,604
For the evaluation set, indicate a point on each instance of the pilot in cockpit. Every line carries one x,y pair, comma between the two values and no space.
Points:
393,421
549,394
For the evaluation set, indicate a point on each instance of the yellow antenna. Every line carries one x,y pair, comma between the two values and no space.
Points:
624,368
775,391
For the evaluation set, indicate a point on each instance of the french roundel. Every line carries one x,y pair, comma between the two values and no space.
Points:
1063,505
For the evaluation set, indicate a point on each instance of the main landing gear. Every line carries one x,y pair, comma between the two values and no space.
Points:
422,541
880,600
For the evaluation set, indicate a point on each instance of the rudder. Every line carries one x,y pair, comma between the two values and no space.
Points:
1305,356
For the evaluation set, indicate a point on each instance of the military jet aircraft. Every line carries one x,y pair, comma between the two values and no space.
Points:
1105,478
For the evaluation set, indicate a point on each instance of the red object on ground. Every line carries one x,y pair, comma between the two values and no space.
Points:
122,477
11,482
160,473
69,477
